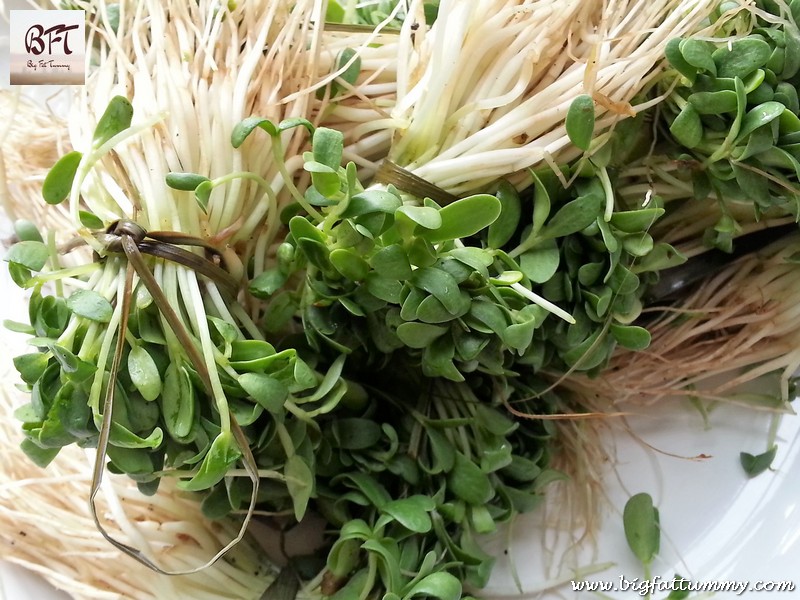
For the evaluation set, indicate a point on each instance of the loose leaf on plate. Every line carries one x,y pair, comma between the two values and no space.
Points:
642,530
756,464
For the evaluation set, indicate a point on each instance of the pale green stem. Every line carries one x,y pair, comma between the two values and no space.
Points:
544,303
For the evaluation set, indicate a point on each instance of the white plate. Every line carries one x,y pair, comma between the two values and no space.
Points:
717,525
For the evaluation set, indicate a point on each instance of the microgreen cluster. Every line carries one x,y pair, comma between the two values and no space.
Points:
437,465
734,113
474,286
391,335
408,473
178,403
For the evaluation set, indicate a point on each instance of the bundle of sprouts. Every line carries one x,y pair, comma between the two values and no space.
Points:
174,324
738,326
75,558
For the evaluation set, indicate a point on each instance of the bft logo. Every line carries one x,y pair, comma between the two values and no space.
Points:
47,47
58,34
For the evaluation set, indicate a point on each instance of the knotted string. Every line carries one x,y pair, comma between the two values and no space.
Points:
130,239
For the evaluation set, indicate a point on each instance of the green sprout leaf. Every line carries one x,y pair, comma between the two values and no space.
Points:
348,76
742,57
327,145
756,464
58,181
631,337
31,366
91,305
117,117
28,254
419,335
41,457
220,457
503,228
424,216
26,231
144,373
90,220
697,53
574,216
687,127
465,217
372,201
714,103
437,585
268,391
759,116
580,121
178,402
267,283
300,483
541,263
246,126
676,59
186,182
642,529
202,193
468,482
